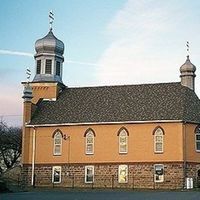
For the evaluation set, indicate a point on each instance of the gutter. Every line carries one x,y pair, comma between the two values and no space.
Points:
184,154
33,157
104,123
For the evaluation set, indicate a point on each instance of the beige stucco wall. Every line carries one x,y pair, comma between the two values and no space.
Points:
44,90
140,144
190,146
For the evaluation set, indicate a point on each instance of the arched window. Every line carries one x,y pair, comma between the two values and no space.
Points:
197,138
158,140
123,140
89,141
57,143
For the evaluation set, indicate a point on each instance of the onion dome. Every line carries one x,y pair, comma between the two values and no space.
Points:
27,93
49,59
49,44
188,74
187,66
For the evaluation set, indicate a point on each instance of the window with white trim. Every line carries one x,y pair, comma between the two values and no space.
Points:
89,142
89,174
56,174
158,140
57,143
123,174
123,141
158,173
197,138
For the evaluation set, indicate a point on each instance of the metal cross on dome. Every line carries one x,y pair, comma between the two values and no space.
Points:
188,47
28,74
51,18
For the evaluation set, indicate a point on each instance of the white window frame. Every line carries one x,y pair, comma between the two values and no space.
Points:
53,172
86,175
121,176
54,144
197,133
88,134
161,177
157,134
123,131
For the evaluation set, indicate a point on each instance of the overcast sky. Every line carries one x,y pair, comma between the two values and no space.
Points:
107,42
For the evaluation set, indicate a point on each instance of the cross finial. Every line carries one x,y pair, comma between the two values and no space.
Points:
51,18
28,74
188,47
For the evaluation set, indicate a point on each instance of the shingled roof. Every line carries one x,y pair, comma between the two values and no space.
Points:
163,101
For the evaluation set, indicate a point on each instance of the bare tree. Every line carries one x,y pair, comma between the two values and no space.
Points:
10,146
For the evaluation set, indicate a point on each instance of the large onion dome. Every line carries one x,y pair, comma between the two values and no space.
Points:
49,59
49,44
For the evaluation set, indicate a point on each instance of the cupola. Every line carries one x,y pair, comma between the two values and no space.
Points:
188,74
49,59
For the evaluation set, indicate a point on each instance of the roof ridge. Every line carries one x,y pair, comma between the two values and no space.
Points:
122,85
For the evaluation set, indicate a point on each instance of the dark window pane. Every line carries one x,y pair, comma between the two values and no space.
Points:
56,176
38,71
89,178
198,145
48,66
197,137
57,68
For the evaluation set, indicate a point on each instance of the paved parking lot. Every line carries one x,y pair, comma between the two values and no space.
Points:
101,195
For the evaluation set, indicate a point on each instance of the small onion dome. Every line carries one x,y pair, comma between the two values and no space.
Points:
27,93
49,44
187,66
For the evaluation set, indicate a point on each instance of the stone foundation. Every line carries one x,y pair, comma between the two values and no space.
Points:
140,175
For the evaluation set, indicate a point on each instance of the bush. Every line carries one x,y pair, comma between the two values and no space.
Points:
3,186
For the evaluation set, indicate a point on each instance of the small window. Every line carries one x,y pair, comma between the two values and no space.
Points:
57,143
158,173
123,174
89,142
158,140
48,67
38,71
123,141
57,68
89,174
56,174
197,138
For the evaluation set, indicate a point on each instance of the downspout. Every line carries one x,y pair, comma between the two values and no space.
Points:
33,157
184,154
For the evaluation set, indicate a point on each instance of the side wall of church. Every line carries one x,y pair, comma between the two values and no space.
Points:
106,144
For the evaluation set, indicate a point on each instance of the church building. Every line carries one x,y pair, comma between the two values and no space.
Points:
121,136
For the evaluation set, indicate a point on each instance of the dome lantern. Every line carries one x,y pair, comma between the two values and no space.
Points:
49,57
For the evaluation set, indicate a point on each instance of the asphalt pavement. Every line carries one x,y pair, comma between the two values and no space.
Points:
102,195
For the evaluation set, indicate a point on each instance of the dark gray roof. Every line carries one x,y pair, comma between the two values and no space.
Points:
163,101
